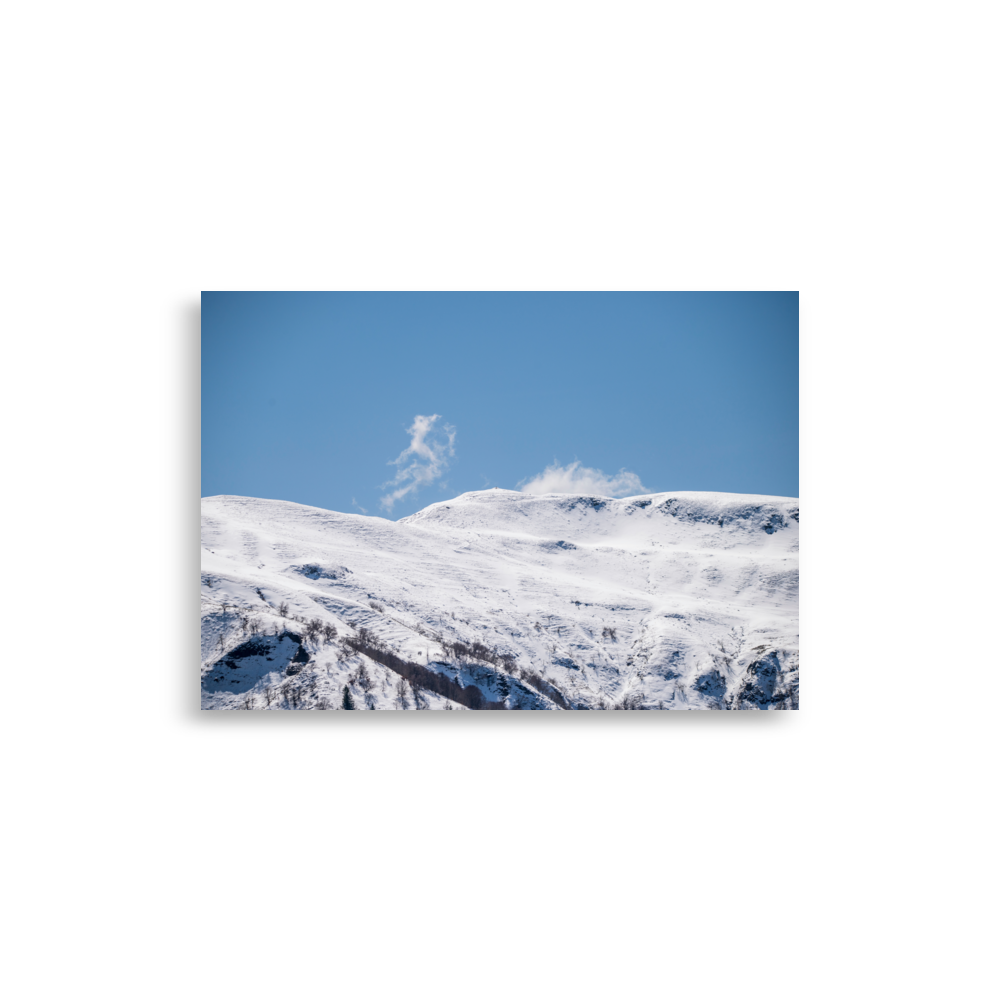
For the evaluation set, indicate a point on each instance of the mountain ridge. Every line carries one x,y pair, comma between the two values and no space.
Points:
679,600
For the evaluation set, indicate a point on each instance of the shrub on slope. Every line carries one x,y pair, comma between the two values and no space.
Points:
418,676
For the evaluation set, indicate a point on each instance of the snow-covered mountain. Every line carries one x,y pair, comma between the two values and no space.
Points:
499,599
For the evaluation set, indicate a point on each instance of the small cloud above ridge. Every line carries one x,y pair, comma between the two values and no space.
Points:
574,478
424,461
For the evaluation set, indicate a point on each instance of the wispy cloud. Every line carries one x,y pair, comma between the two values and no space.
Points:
574,478
425,460
364,510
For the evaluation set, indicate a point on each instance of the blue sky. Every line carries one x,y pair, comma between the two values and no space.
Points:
312,396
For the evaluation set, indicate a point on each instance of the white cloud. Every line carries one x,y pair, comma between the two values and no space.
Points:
425,460
573,478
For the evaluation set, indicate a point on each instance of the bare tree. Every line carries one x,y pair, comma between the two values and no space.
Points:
419,698
364,678
402,694
630,703
283,609
292,694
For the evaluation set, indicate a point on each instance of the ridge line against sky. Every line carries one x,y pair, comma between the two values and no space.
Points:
308,396
425,460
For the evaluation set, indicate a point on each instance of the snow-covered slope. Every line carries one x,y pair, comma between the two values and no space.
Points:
668,601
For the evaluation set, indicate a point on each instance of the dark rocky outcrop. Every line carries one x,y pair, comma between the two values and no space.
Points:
252,647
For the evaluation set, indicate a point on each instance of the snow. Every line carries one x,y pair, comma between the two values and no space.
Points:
673,600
